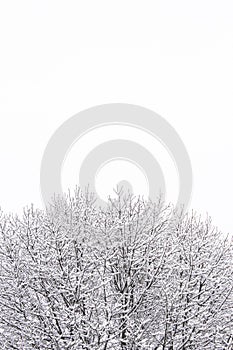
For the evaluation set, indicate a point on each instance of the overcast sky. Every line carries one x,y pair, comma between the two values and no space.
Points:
174,57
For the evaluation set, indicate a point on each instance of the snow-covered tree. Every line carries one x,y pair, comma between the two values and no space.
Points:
136,275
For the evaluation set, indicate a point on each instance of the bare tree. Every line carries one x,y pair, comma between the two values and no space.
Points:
134,276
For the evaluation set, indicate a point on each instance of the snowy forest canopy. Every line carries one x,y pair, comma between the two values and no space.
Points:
137,275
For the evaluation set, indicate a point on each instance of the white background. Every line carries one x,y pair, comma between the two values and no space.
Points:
174,57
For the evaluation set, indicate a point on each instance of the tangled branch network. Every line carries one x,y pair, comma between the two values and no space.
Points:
135,275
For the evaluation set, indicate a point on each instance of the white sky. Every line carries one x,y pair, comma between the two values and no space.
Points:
174,57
